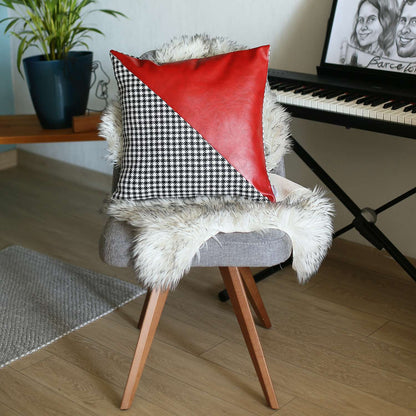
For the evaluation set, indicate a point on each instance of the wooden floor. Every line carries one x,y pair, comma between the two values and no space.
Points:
343,344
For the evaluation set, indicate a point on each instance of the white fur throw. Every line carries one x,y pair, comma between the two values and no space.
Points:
169,233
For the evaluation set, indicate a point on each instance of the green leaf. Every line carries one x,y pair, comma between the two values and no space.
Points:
11,23
113,13
53,26
20,51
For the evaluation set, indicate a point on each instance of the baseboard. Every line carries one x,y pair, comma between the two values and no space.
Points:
65,171
8,159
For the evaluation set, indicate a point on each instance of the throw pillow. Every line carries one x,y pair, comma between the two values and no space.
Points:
194,127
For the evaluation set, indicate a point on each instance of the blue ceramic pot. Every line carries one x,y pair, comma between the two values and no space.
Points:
59,89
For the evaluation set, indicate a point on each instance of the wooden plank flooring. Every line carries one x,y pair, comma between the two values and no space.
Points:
342,345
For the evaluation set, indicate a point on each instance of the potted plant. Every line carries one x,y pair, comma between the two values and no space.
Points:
59,78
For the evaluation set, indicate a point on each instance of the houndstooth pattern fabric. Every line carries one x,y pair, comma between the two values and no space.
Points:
163,155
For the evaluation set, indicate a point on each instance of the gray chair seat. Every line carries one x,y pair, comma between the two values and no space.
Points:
254,249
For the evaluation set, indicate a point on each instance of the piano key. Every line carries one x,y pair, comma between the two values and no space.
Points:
351,107
381,113
309,90
317,92
299,90
282,85
344,95
291,87
376,100
392,116
329,97
386,114
352,97
325,93
398,104
331,105
405,118
334,94
285,97
308,100
398,116
369,100
275,84
336,106
362,99
379,101
364,110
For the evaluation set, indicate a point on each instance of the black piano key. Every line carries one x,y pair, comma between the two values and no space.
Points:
410,108
333,94
370,100
324,93
291,87
309,90
281,85
343,96
379,101
352,97
300,89
317,92
348,96
389,104
275,84
398,104
362,99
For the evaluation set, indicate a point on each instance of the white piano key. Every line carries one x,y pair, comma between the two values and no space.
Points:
347,108
331,104
405,118
395,116
382,113
285,97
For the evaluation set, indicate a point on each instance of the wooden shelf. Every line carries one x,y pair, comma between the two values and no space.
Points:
26,129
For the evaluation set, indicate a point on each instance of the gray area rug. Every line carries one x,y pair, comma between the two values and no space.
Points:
42,299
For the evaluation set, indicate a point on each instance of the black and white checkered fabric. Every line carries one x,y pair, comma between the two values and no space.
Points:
164,156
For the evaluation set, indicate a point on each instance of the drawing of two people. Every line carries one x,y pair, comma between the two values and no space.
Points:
382,28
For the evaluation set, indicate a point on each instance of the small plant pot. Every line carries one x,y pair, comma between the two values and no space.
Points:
59,89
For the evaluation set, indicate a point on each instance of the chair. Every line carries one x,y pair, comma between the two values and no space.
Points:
234,254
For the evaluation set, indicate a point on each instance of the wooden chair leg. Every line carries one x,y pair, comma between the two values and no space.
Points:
254,297
235,287
152,313
144,307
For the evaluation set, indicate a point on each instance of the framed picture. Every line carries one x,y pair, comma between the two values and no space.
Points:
372,35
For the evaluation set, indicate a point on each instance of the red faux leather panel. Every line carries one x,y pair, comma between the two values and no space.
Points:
222,98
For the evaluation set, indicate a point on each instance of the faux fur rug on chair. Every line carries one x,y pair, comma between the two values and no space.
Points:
169,232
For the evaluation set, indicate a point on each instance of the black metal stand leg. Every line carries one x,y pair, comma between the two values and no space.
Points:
376,211
363,225
364,220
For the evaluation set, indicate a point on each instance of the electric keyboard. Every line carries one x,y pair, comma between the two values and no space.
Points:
347,102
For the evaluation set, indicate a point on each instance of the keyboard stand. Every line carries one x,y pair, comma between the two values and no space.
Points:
364,220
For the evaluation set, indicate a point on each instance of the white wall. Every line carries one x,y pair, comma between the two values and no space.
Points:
6,91
372,167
